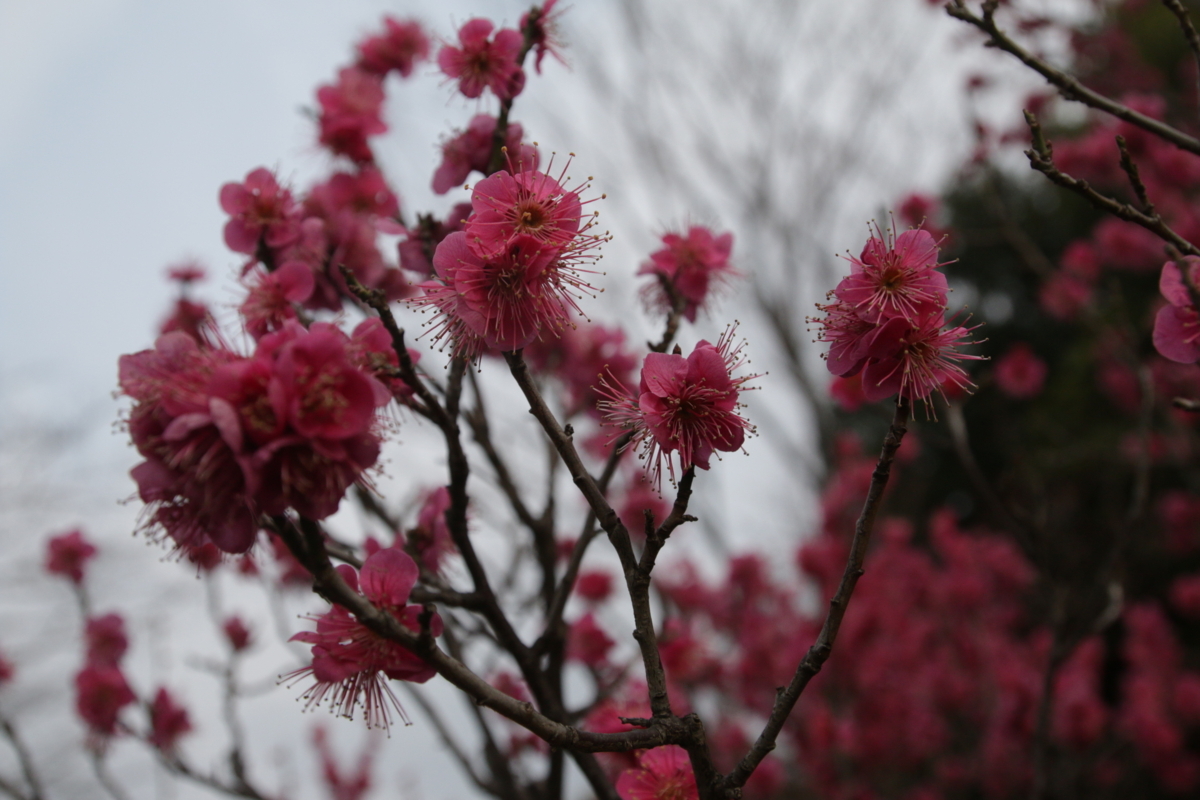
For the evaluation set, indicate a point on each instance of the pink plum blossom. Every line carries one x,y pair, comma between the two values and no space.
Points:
100,694
106,640
1019,373
401,46
588,643
530,203
540,26
236,633
227,437
471,150
67,554
914,361
350,662
1177,326
260,210
687,406
895,279
503,301
273,297
664,773
168,721
485,62
695,264
351,111
430,540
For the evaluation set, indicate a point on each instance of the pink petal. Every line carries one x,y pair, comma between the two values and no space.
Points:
388,577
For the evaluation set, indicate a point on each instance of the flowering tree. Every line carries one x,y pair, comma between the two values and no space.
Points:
1024,623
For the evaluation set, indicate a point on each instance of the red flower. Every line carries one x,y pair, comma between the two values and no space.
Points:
472,150
237,634
695,264
483,62
351,110
663,773
350,662
1019,373
540,26
398,48
100,694
503,301
914,361
67,554
168,721
260,210
895,279
685,405
1177,326
106,640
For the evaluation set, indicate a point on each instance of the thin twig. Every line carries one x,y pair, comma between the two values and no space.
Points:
816,656
1068,85
1041,158
1189,30
678,304
24,759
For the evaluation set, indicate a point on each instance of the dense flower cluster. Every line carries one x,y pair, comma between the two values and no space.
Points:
888,321
227,437
512,276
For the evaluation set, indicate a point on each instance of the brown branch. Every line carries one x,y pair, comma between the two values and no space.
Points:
589,533
637,580
24,760
814,659
330,585
1068,85
1135,178
376,300
1189,30
1041,158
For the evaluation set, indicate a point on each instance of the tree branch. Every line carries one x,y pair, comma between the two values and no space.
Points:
816,656
1068,85
1041,158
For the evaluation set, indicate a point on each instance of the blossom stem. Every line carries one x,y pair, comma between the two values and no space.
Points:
678,304
816,656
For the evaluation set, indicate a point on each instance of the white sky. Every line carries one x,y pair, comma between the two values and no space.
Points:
119,121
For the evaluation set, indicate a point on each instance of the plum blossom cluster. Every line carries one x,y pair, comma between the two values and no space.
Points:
514,273
102,691
888,321
227,437
686,409
349,661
